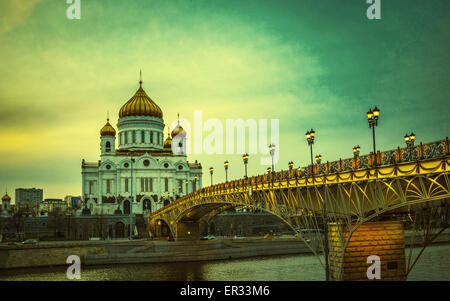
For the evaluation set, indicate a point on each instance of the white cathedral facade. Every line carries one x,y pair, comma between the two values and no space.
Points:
138,170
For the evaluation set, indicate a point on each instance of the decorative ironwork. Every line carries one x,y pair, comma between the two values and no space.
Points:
348,164
322,169
434,150
410,154
389,157
363,162
334,167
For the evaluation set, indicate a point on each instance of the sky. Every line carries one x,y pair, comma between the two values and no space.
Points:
307,63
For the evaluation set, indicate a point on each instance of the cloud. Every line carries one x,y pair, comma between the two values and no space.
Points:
13,13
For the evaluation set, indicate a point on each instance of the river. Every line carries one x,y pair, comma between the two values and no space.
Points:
434,264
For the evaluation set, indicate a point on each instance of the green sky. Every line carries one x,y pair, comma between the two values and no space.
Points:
310,64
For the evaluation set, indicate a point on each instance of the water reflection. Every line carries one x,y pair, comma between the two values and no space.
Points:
433,265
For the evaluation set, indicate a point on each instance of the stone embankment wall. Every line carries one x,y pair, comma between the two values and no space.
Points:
145,251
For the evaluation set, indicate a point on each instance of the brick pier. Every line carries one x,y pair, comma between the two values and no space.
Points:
385,239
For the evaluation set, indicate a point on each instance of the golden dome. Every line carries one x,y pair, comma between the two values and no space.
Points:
6,198
140,105
168,142
177,130
107,130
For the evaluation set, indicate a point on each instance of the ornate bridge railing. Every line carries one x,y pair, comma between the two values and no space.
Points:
422,159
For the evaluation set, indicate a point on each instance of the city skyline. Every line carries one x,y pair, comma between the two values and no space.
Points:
262,60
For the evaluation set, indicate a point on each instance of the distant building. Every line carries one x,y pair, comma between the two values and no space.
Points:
5,210
73,202
28,200
52,205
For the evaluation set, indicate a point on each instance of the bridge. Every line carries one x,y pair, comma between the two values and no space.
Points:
347,209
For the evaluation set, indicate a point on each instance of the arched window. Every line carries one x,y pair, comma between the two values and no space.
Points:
142,137
108,146
151,137
126,137
147,205
120,230
126,207
134,136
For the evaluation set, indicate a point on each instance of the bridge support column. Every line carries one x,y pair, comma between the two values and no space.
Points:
384,239
188,231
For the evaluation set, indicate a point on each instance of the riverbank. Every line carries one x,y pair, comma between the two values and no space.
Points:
156,251
144,251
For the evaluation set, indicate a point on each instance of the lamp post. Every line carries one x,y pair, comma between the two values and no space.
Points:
225,164
372,119
318,159
291,164
409,139
195,183
270,177
211,171
245,158
132,197
356,151
272,148
187,186
310,138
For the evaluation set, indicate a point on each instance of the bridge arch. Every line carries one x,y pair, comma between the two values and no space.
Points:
196,212
162,228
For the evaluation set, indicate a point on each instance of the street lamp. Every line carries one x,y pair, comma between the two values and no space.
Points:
310,138
409,139
291,164
372,118
356,150
187,186
132,197
225,164
272,152
245,158
211,171
195,183
318,159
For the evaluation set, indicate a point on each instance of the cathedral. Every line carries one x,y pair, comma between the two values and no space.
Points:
145,171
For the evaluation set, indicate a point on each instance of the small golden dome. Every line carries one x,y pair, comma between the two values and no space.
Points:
168,142
177,130
140,105
107,130
6,198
